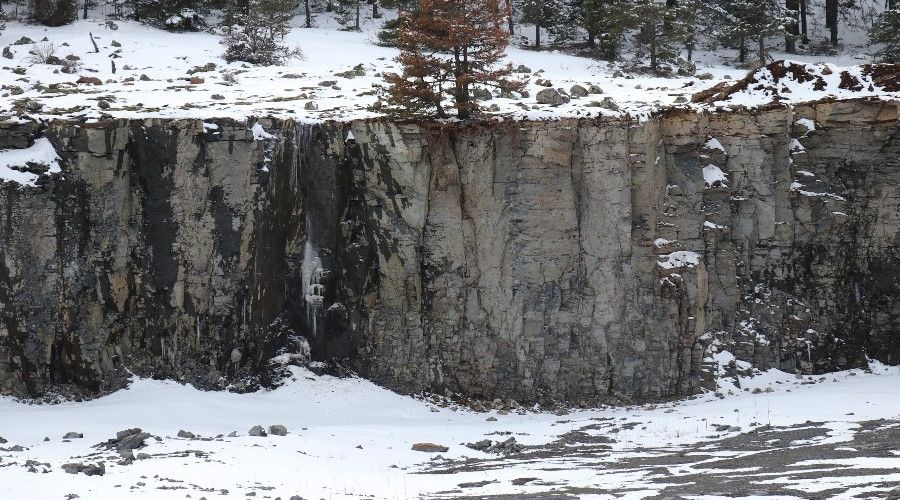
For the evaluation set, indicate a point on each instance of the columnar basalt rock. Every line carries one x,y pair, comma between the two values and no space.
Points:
576,260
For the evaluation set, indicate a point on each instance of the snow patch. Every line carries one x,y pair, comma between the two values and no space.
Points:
679,259
713,176
41,152
259,133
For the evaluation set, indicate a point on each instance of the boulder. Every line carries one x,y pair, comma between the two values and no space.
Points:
551,97
429,448
578,91
278,430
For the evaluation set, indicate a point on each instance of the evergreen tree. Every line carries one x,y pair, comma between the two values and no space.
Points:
741,22
349,13
538,13
257,35
885,34
52,12
605,22
449,48
173,15
387,36
661,32
562,22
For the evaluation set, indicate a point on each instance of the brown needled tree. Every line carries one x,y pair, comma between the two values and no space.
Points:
450,48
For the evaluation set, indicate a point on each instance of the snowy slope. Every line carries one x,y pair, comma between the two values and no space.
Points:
154,72
349,438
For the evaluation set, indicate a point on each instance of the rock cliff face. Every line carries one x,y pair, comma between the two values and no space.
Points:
566,260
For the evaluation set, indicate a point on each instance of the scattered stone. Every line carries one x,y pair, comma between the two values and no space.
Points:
142,456
506,447
278,430
429,448
543,82
126,441
102,104
196,80
15,90
481,94
680,99
519,481
3,441
618,74
578,91
34,106
232,434
357,70
494,108
87,469
291,76
311,106
593,89
609,103
115,44
257,431
551,97
73,435
491,419
560,412
19,70
23,41
482,445
202,69
92,80
476,484
7,53
704,76
327,83
144,78
522,69
186,434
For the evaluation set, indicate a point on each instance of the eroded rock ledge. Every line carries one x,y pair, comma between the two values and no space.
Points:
570,260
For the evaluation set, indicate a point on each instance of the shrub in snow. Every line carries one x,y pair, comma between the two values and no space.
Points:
43,53
171,15
257,35
52,12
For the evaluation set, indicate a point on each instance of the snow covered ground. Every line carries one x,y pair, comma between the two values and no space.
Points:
348,438
158,73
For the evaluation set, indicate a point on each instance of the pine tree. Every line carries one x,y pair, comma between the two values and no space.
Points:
387,36
539,13
605,22
742,21
562,22
172,15
349,13
257,35
52,12
660,34
449,48
885,34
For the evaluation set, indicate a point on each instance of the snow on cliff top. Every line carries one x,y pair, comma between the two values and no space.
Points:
793,82
164,74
